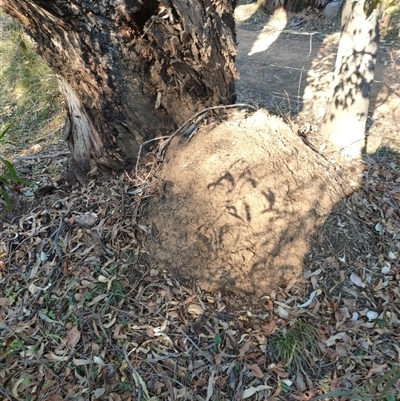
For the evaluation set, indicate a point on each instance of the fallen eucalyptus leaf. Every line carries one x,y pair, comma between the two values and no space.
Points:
379,228
386,268
99,392
252,390
98,361
283,313
256,370
332,340
73,336
81,362
371,315
5,302
355,279
312,296
56,358
195,310
44,317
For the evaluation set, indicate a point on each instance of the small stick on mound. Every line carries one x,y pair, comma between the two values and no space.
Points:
194,116
229,106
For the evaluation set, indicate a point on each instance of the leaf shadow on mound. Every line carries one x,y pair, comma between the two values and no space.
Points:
238,205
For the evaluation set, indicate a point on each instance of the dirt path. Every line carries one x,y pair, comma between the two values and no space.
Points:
286,68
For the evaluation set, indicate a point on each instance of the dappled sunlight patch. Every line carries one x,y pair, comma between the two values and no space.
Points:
244,12
319,77
270,33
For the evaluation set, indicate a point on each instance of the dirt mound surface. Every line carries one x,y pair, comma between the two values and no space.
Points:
238,204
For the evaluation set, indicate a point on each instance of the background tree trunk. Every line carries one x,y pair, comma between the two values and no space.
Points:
345,120
269,6
130,69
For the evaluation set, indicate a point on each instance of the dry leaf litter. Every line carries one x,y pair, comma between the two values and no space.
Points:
83,316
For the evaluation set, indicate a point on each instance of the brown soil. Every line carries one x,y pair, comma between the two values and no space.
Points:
237,205
240,202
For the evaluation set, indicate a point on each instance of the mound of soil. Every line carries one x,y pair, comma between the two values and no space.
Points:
238,204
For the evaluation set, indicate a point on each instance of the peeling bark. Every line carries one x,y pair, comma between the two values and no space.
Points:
129,69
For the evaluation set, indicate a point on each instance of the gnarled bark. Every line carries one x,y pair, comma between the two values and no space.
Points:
129,69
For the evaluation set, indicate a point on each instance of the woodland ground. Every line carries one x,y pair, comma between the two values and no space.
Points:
84,315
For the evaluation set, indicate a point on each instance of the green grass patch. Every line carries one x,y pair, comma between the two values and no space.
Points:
110,286
295,346
29,95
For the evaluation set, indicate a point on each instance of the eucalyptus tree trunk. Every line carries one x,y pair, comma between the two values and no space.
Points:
131,69
344,124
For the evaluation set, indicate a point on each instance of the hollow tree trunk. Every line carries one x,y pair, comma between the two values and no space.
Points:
345,120
130,69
